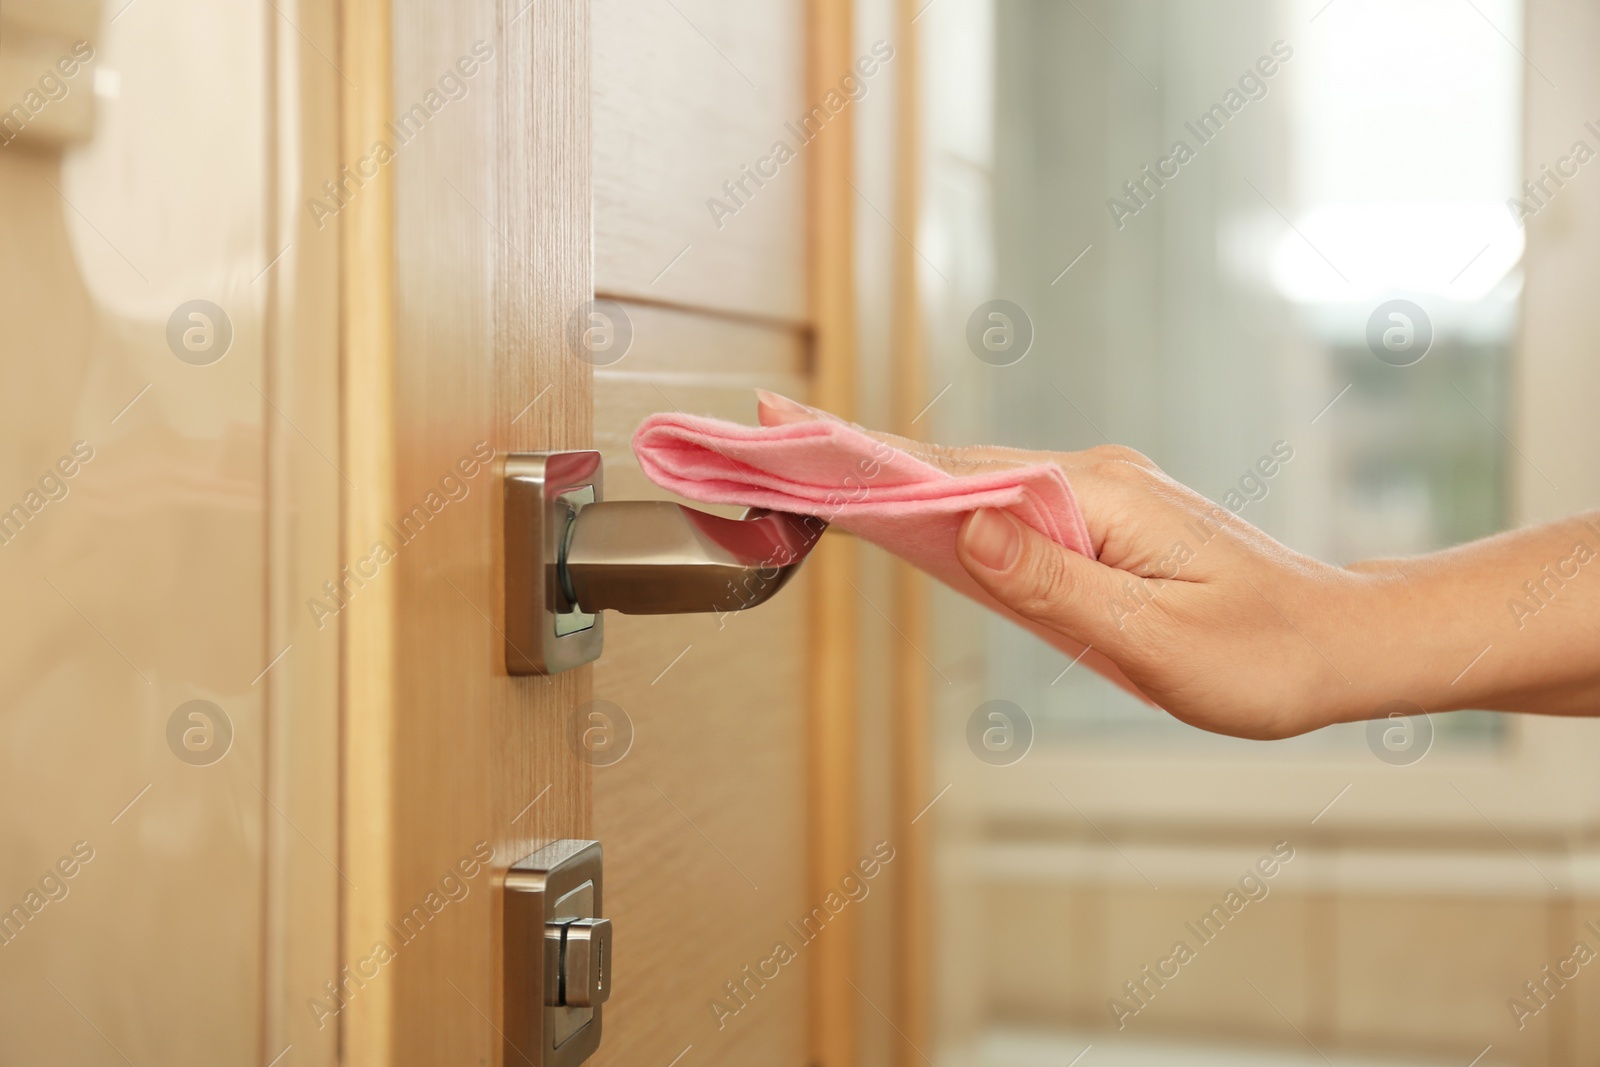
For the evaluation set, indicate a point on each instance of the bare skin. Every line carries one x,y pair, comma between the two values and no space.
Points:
1230,631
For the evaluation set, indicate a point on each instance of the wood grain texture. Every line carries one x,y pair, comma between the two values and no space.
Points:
704,819
674,119
686,95
834,792
490,251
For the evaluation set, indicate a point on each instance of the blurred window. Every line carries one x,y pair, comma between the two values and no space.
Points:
1241,307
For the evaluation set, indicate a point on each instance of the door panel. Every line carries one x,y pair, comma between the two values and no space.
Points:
674,118
705,837
704,818
673,342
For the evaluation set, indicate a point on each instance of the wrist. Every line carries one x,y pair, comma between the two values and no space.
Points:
1400,638
1360,651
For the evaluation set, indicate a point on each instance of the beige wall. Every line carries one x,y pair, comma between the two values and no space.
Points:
175,565
1425,969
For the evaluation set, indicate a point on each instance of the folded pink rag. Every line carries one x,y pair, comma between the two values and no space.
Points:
877,492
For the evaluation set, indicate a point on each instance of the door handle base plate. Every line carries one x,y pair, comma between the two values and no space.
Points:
543,635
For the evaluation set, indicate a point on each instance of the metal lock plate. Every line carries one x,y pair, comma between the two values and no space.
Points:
557,956
544,633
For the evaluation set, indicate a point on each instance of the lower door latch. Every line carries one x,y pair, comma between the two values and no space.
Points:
557,956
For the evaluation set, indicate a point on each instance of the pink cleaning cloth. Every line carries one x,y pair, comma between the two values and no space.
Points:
887,496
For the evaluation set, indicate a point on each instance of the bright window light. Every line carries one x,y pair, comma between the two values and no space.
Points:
1405,151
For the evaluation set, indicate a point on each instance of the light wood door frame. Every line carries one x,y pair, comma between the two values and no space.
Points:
834,795
911,754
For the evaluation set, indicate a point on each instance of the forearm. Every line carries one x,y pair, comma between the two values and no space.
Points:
1509,623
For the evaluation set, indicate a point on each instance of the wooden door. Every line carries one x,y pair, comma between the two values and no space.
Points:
707,819
573,161
467,248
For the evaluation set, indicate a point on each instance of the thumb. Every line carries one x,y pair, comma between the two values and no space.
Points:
1040,580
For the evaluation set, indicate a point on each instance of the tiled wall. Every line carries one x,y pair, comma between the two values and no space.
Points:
1343,972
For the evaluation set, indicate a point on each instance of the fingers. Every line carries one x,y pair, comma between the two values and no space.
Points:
1140,521
776,409
1110,451
1040,580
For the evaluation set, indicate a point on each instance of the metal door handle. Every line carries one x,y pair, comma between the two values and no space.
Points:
654,557
570,555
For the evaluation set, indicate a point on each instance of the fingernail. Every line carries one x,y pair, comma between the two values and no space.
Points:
782,410
992,539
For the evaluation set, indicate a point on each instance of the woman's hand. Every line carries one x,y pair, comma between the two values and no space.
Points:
1213,620
1229,630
